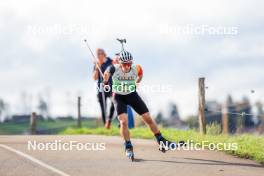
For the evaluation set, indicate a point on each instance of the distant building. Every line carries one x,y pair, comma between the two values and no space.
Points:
213,112
245,107
232,118
174,119
22,118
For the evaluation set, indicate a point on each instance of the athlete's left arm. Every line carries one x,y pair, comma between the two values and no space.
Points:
140,73
108,72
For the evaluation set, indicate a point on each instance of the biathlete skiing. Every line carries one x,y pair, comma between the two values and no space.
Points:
125,76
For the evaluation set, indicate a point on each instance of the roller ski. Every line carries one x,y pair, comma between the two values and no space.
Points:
129,151
130,154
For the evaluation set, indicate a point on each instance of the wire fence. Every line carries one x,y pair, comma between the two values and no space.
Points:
232,113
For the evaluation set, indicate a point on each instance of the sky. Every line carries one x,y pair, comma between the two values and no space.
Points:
176,42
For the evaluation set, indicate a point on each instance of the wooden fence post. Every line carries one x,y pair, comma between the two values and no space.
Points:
201,115
33,123
79,113
225,128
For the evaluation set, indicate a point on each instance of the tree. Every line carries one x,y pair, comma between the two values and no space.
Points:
173,111
2,109
159,119
43,107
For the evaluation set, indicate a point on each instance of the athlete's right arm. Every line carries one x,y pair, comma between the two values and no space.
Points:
108,72
95,74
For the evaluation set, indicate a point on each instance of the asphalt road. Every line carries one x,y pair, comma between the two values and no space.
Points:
17,160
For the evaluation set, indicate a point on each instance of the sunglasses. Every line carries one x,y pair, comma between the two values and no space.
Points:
126,64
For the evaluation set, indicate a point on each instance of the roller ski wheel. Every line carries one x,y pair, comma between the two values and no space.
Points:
130,154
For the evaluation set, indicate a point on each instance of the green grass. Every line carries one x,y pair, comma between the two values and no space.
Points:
11,128
249,146
52,126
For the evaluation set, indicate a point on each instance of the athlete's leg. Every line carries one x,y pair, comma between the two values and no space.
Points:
124,126
124,131
151,123
121,108
100,100
112,111
123,119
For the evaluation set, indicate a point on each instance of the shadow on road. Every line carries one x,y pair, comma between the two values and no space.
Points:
203,162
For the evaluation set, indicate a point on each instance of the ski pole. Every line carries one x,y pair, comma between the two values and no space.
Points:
101,73
94,59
